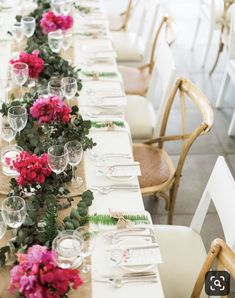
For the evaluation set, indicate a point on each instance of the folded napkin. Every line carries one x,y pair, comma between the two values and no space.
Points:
97,74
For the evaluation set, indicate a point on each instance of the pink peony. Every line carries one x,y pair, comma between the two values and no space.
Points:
51,22
52,108
34,62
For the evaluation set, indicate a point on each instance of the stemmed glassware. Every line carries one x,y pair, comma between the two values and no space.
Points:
7,132
20,73
29,26
67,42
55,41
67,247
66,7
3,226
17,117
14,211
69,87
89,238
56,6
54,87
75,153
18,33
57,158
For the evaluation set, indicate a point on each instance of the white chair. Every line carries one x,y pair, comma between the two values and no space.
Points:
143,121
230,70
135,46
212,11
182,248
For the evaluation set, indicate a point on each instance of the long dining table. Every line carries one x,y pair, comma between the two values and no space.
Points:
108,140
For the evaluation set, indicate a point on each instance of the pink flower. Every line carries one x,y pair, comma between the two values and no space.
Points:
32,170
51,22
52,108
34,62
37,275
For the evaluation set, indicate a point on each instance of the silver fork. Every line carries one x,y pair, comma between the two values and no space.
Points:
108,189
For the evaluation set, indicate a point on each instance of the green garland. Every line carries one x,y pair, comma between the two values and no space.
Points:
108,220
42,203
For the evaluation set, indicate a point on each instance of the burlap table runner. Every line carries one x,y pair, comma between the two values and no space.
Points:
85,291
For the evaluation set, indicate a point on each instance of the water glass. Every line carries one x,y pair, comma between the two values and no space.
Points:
54,87
55,41
69,87
14,211
7,132
75,153
89,239
57,158
17,117
20,73
3,226
18,33
8,155
29,26
67,248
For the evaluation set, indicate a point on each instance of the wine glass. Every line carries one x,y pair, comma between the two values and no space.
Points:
69,87
29,26
3,226
75,153
67,248
67,42
56,6
20,73
54,87
18,33
14,211
55,41
57,158
66,7
7,132
89,239
17,117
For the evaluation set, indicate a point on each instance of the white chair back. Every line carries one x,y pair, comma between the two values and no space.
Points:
231,43
221,190
164,74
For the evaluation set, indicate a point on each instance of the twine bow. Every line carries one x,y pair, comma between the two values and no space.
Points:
122,222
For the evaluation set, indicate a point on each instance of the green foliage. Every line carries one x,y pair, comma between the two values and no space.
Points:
79,216
108,220
50,229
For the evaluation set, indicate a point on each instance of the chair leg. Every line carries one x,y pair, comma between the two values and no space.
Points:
208,45
220,50
223,88
231,130
196,33
172,197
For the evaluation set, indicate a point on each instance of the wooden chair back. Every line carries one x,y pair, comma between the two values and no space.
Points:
221,190
225,258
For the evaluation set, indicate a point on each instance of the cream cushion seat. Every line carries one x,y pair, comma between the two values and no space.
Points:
128,46
140,115
115,22
183,254
135,81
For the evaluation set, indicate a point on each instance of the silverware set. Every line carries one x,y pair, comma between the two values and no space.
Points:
105,189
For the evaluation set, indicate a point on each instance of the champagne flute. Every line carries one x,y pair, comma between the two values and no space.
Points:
54,87
75,153
57,158
55,41
14,211
18,33
69,87
29,26
20,73
17,117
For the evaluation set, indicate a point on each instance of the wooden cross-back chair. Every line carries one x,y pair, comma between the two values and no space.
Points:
120,22
158,174
136,80
225,258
